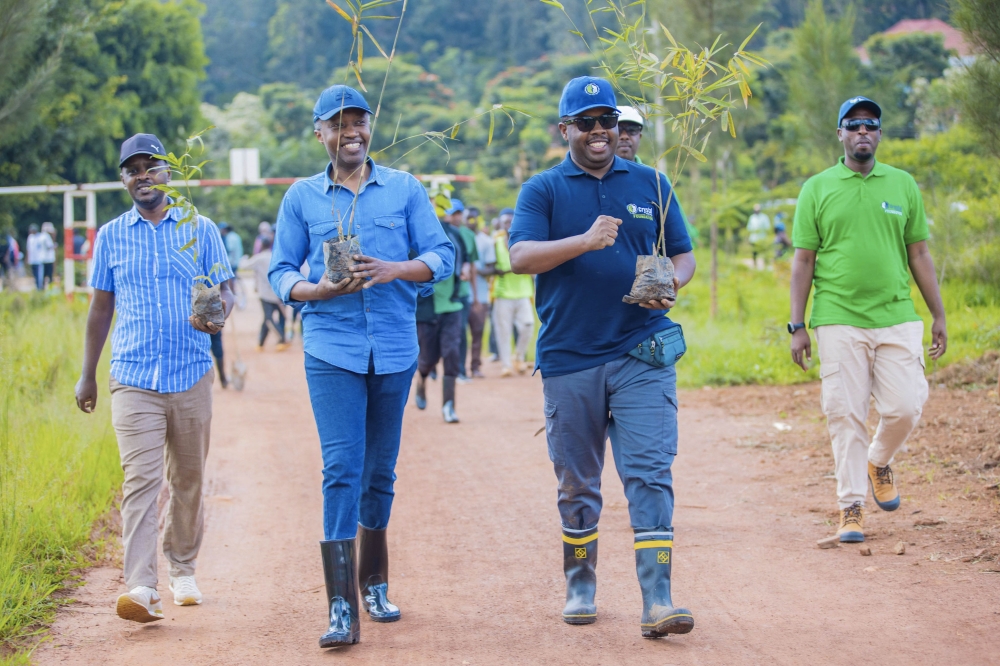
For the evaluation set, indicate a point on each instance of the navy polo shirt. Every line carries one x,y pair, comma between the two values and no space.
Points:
584,321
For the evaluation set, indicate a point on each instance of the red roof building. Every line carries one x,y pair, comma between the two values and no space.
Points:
954,40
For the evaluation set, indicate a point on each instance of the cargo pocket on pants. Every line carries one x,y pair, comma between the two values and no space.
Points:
832,398
552,435
669,436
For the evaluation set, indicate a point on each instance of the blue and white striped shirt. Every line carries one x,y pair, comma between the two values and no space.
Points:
153,345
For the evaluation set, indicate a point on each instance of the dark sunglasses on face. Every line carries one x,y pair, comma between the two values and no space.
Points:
854,124
586,123
630,128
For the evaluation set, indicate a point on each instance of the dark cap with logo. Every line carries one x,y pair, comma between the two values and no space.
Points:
140,144
584,93
847,106
337,98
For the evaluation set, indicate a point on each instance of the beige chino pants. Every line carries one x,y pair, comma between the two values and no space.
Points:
857,364
157,430
509,313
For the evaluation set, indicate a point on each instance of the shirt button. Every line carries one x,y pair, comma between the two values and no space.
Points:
368,309
603,197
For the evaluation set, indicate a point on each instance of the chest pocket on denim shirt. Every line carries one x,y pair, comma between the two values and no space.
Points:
323,229
391,238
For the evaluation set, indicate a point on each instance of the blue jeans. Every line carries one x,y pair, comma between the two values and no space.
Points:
633,403
359,418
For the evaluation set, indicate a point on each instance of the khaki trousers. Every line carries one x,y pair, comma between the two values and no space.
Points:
156,430
856,365
508,313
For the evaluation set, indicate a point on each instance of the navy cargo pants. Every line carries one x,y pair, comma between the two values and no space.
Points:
633,403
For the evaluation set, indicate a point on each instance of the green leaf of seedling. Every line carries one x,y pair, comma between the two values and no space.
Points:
554,3
489,139
454,131
749,37
188,245
347,17
375,42
693,152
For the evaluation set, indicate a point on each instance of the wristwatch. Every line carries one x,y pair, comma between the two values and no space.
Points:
794,327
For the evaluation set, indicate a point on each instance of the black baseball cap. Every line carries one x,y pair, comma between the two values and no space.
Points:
849,105
140,144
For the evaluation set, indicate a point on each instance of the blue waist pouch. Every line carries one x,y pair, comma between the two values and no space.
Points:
663,348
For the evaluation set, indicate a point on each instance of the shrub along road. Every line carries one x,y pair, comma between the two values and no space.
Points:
476,557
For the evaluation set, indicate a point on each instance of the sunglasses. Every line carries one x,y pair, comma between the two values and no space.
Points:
586,123
630,128
854,124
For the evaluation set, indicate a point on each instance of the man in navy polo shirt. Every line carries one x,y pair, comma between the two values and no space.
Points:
580,226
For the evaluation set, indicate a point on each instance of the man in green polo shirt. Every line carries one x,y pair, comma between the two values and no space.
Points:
512,306
858,226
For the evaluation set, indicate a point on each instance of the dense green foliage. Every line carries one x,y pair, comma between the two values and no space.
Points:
59,467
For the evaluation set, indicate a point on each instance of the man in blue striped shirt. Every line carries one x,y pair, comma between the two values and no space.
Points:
360,340
145,265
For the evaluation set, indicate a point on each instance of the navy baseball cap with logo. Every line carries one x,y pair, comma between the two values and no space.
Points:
584,93
140,144
846,107
337,98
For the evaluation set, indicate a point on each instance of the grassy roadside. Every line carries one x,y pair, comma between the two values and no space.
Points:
59,468
747,342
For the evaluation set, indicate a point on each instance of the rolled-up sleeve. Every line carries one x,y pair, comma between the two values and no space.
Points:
427,238
291,247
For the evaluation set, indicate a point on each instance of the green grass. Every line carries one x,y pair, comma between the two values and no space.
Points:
747,342
59,468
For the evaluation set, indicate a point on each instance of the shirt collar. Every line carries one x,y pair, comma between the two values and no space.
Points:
134,215
375,176
572,169
844,172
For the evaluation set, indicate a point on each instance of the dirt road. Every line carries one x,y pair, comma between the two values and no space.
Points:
476,555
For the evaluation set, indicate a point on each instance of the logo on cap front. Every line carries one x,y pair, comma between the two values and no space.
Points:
592,89
855,100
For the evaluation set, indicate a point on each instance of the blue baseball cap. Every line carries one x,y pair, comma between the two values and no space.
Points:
335,99
846,107
140,144
456,207
505,211
584,93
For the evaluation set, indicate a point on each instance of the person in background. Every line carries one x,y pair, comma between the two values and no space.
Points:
439,329
860,231
455,216
485,267
512,308
759,235
234,249
39,246
7,257
274,309
161,373
264,230
782,242
49,258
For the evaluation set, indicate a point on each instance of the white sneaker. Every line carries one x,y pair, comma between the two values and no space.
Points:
185,591
142,604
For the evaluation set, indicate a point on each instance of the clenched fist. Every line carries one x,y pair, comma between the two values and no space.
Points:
602,233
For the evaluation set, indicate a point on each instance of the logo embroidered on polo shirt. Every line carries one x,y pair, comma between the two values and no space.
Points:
592,89
892,209
640,212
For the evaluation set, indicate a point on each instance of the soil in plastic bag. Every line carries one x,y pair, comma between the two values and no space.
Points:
654,280
337,257
206,303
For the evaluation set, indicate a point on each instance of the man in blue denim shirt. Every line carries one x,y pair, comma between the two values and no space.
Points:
360,340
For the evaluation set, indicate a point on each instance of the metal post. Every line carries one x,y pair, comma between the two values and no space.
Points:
69,276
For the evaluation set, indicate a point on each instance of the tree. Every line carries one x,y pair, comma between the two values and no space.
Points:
979,92
124,67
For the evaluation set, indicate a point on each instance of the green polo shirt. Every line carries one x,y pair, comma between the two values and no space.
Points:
859,228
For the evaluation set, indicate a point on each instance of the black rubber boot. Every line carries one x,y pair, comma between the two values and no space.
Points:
580,566
341,593
448,395
421,392
373,574
653,553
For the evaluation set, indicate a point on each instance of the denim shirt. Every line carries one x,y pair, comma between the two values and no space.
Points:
392,215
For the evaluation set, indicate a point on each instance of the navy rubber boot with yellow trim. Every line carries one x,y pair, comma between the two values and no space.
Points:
653,555
580,566
341,593
373,574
